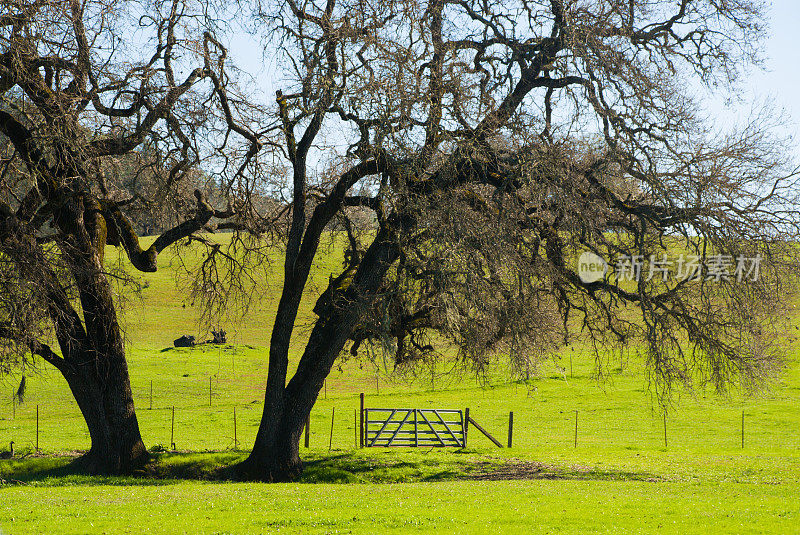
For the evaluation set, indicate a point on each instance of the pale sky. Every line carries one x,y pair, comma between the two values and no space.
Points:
778,84
782,79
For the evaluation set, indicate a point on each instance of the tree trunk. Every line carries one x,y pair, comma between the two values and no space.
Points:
276,452
98,371
276,455
108,410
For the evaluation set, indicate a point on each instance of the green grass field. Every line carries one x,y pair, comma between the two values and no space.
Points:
620,477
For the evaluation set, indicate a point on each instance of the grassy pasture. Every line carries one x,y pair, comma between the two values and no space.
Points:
620,477
448,507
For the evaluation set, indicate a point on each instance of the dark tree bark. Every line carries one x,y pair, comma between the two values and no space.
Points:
107,408
92,349
100,380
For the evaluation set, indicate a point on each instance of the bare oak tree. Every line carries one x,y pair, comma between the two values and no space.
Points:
494,141
84,85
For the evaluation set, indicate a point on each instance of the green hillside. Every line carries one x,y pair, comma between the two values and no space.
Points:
620,451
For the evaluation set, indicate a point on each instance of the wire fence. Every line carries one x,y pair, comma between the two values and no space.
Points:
216,420
217,405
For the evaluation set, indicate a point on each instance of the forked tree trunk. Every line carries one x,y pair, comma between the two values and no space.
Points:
276,452
92,348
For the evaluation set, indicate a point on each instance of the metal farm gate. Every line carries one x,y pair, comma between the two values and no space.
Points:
414,428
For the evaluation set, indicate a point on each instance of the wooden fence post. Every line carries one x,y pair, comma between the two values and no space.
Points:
742,428
235,438
330,441
361,439
486,433
172,431
576,429
37,428
466,425
510,428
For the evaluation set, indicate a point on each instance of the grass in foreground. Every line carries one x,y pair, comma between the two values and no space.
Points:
448,491
539,506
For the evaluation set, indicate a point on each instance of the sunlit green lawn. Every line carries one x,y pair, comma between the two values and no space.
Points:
544,506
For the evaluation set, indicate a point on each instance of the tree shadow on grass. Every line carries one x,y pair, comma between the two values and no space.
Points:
162,469
205,466
60,471
350,468
527,470
342,468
